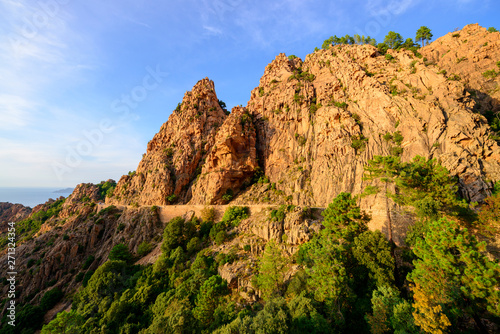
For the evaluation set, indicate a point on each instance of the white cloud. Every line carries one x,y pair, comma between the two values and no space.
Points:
262,24
15,112
394,7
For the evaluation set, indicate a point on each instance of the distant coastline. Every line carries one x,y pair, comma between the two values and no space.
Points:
64,191
31,197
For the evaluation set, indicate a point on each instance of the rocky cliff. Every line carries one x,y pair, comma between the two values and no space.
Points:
77,240
230,163
311,126
471,55
176,154
308,131
12,213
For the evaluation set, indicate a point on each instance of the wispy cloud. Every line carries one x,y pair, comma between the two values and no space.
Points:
40,56
261,24
212,30
15,112
395,7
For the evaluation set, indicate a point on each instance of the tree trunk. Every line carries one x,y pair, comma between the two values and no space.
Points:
479,324
389,222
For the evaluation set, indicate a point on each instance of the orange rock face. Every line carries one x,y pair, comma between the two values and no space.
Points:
473,54
312,125
231,161
175,155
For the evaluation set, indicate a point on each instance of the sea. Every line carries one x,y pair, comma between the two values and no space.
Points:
31,196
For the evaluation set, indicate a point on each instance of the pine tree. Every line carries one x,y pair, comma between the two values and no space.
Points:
428,313
344,219
329,280
372,250
489,216
421,183
453,276
393,40
272,268
424,34
208,299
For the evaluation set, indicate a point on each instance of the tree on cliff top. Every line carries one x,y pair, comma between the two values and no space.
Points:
424,34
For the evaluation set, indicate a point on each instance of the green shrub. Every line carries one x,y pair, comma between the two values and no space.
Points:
106,189
120,252
341,105
65,237
79,277
144,248
491,74
50,299
220,237
356,118
398,137
492,29
291,57
298,98
413,69
208,214
279,214
493,120
387,136
31,262
228,196
359,142
299,75
51,283
87,277
454,77
261,91
169,152
389,57
396,150
88,262
194,245
301,140
223,258
263,179
216,228
382,48
171,198
235,214
109,209
313,107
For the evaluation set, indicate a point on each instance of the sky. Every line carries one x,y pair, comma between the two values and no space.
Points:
84,85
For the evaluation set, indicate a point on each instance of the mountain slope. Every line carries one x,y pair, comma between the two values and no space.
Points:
311,126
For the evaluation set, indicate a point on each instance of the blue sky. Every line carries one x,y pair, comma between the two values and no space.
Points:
86,84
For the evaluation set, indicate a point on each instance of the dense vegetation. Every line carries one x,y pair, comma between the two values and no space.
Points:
27,228
349,279
392,40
